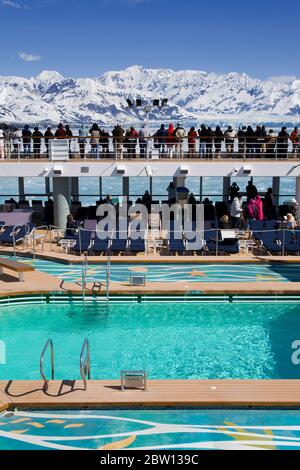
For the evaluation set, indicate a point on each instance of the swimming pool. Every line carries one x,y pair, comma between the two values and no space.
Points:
169,341
194,272
151,430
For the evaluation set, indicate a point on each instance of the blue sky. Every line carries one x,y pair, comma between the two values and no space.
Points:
88,37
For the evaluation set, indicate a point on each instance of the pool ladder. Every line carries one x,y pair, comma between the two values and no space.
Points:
84,362
96,285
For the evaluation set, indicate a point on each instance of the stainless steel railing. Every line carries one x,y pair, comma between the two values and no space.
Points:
160,147
85,362
49,344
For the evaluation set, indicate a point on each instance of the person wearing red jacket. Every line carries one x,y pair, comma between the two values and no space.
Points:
192,135
295,140
132,138
60,132
170,140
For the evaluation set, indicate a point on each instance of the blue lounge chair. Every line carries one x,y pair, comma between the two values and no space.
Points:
191,239
119,240
83,242
100,245
229,246
210,237
176,242
118,245
6,235
291,241
137,245
17,234
272,241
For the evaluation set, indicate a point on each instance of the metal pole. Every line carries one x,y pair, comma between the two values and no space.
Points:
33,244
14,242
107,279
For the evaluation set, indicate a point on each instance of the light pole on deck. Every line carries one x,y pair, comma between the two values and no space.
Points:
147,106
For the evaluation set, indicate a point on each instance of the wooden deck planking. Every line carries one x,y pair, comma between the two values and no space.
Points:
196,393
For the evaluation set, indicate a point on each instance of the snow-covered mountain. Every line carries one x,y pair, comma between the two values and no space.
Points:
193,96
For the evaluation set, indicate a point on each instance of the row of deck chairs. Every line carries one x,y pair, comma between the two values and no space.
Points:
275,240
184,243
15,234
87,242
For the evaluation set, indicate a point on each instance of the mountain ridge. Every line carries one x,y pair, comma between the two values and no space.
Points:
193,96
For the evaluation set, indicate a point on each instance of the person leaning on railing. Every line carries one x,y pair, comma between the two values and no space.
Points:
241,135
270,143
118,138
283,143
230,135
218,139
179,135
82,133
16,141
104,140
143,141
209,142
26,135
294,137
95,133
160,137
7,143
47,137
192,136
60,132
37,142
2,152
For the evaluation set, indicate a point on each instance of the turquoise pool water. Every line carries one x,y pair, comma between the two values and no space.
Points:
184,341
196,272
151,430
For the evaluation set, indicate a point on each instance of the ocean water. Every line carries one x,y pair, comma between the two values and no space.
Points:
89,187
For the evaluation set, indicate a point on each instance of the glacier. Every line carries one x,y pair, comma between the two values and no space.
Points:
194,96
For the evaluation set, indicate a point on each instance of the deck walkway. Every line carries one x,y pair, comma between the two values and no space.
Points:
36,283
196,393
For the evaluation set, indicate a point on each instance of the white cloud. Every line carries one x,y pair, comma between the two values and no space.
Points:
13,4
29,57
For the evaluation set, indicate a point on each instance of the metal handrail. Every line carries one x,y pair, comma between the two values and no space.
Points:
49,344
41,227
84,276
14,233
107,279
85,362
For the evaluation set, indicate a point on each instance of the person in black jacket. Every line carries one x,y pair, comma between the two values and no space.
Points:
241,134
283,143
218,139
48,136
118,138
260,139
160,138
250,140
69,136
104,141
209,142
202,132
26,135
37,141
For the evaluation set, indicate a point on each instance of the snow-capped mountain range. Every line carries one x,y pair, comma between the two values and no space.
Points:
193,96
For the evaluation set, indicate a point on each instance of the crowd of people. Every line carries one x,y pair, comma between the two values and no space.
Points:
168,141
